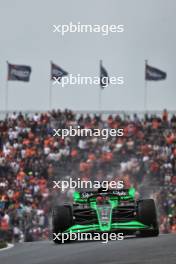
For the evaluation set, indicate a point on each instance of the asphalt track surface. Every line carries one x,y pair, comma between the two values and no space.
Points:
160,249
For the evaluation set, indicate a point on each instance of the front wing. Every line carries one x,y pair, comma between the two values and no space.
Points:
130,226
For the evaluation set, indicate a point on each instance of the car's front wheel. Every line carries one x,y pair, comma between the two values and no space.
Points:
147,215
62,219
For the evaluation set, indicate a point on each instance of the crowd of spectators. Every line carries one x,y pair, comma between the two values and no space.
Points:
31,157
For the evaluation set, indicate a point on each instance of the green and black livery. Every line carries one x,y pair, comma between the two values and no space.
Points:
106,211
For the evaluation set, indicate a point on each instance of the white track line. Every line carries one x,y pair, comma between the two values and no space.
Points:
9,246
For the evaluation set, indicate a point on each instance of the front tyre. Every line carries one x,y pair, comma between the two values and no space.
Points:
62,219
147,215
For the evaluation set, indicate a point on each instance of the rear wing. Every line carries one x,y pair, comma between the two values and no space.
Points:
118,194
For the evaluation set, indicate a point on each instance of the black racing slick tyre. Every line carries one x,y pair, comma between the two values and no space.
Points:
62,219
147,215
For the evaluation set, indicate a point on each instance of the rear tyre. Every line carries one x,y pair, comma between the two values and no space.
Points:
62,219
148,216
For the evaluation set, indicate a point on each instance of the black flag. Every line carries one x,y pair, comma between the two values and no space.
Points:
57,72
153,74
104,78
19,72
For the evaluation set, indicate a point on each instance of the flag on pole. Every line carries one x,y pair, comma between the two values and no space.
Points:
104,77
154,74
57,72
19,72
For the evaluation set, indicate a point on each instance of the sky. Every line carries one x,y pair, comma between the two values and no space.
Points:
26,37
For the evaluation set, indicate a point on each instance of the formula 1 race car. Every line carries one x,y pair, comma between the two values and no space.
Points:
106,211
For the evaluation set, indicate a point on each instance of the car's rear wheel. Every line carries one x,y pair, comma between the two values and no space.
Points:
62,219
148,216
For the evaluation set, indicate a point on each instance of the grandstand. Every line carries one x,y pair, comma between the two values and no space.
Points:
30,158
